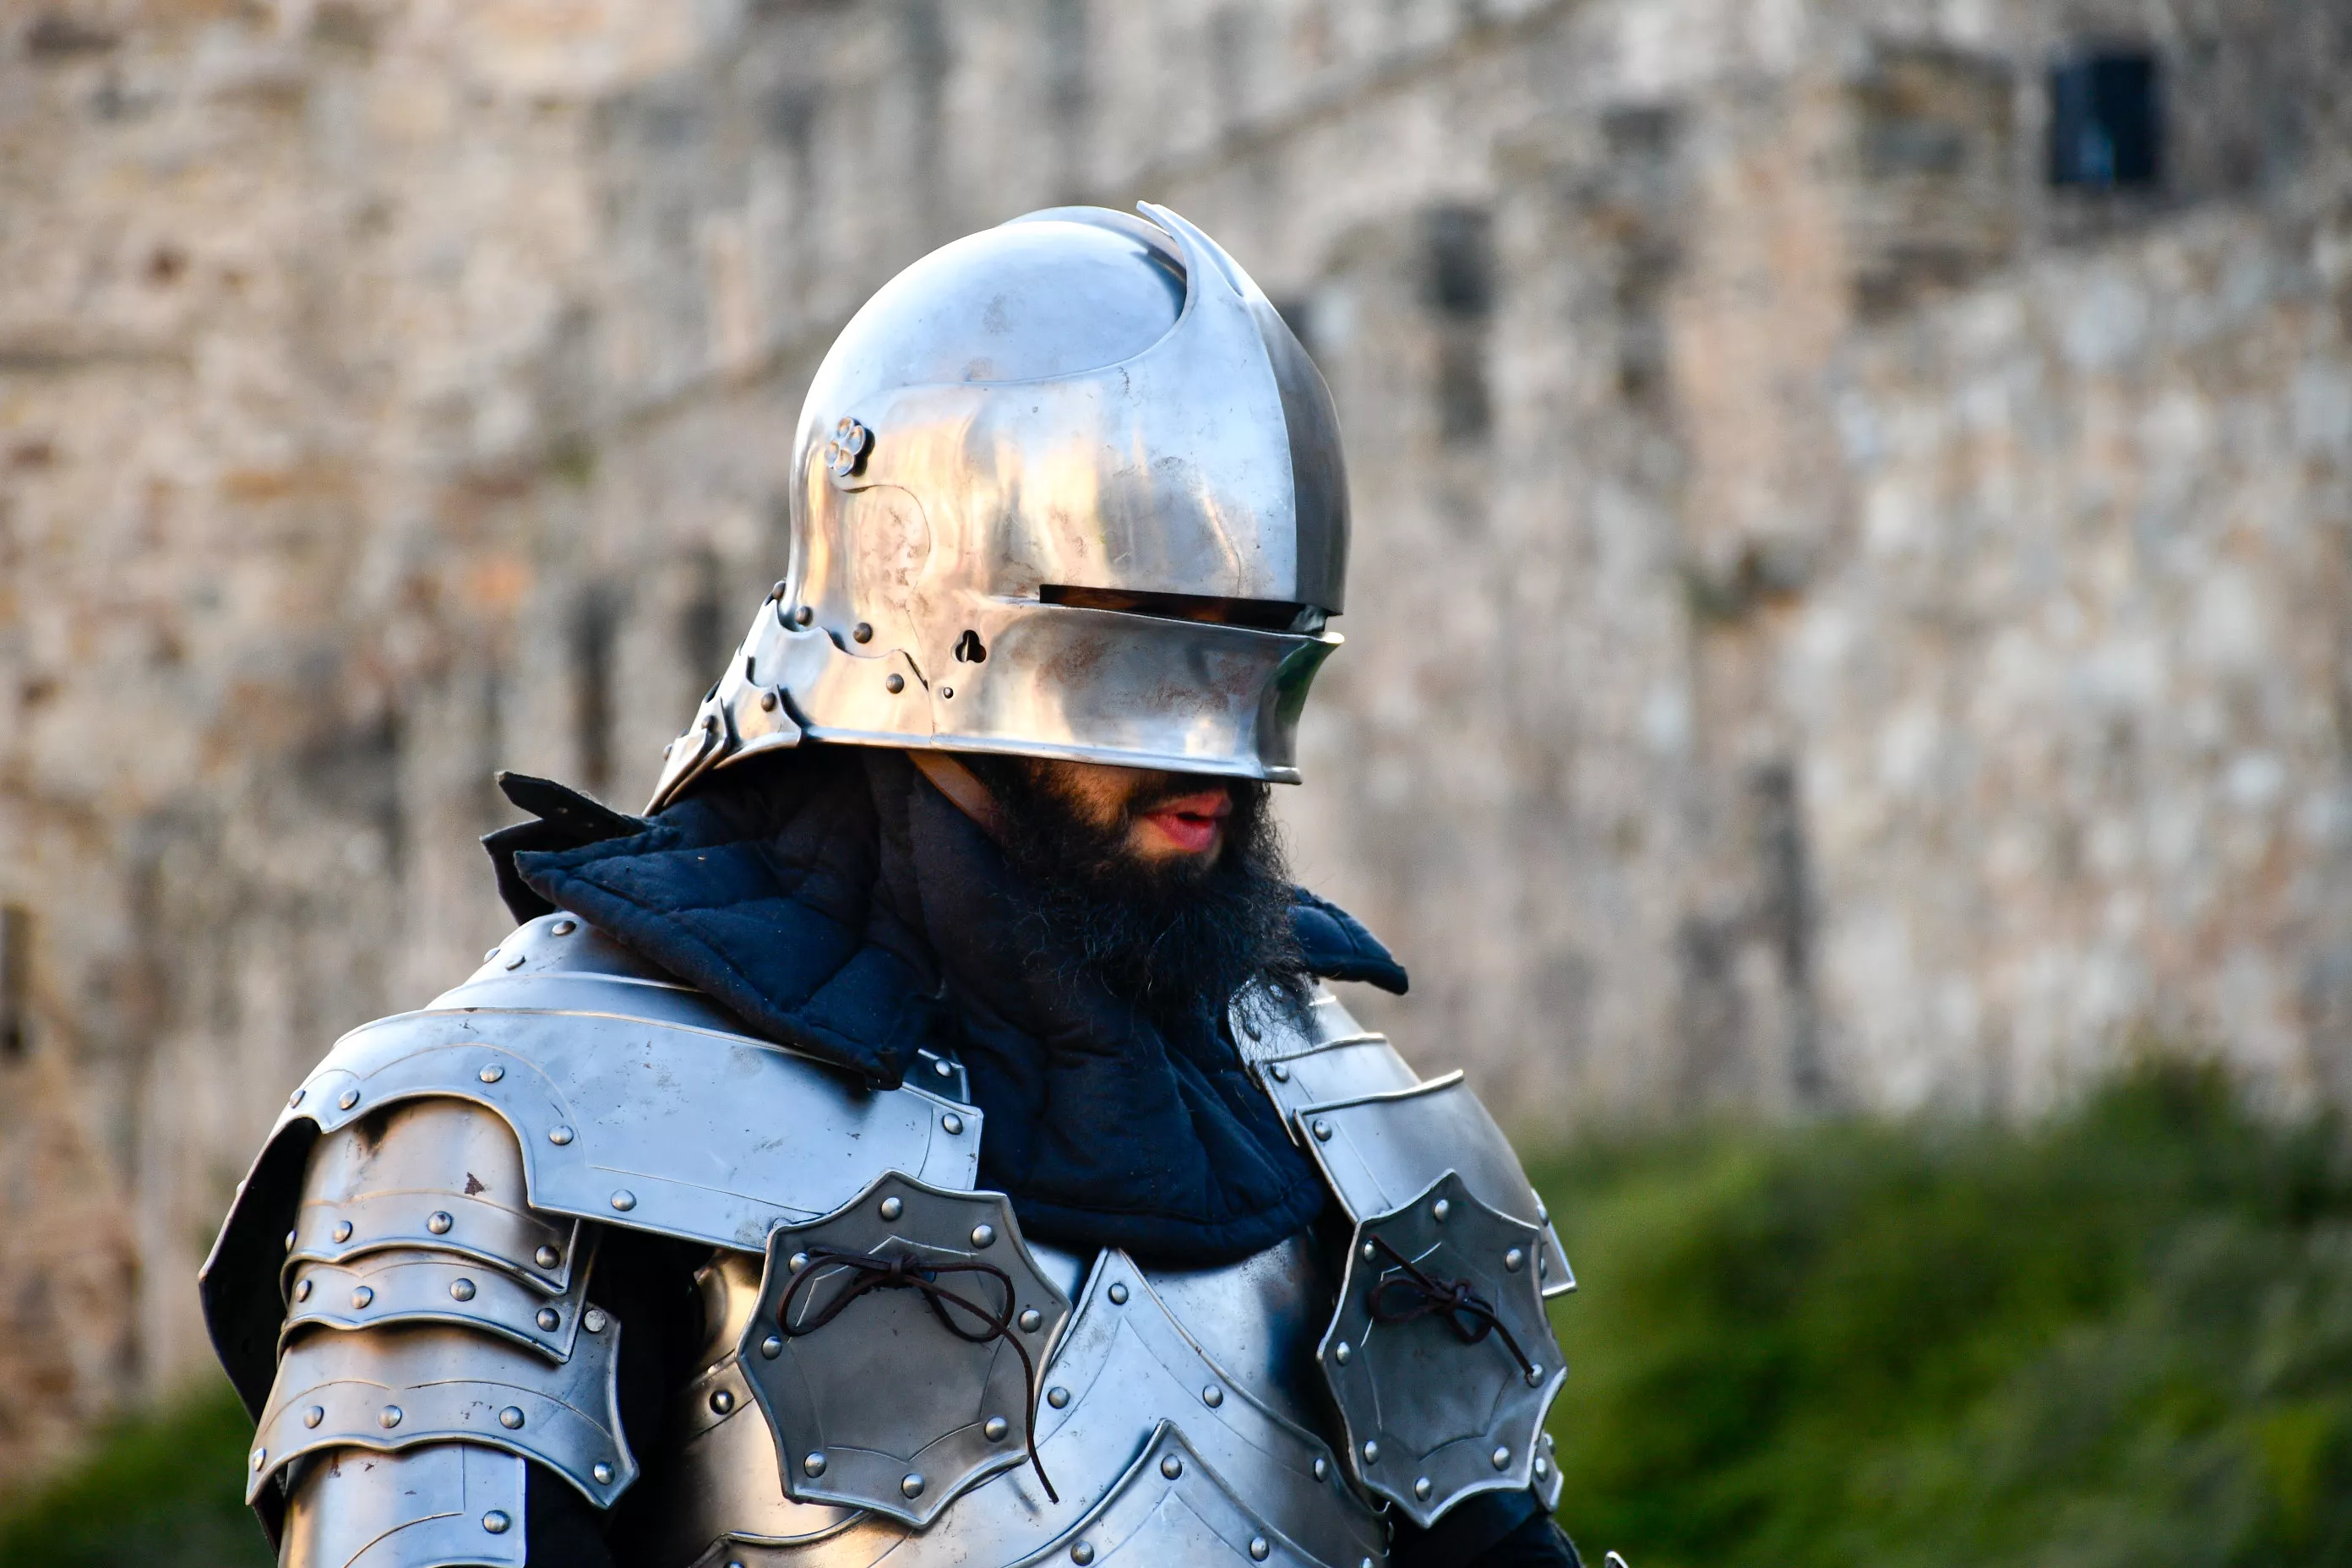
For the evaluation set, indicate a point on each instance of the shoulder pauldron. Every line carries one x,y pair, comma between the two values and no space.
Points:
634,1101
1440,1355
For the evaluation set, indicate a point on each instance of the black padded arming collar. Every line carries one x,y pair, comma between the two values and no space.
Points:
835,902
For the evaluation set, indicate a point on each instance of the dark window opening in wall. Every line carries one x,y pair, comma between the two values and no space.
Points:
2106,127
1460,289
1461,263
593,622
16,982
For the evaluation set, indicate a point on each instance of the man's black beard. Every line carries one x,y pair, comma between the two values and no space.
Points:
1177,940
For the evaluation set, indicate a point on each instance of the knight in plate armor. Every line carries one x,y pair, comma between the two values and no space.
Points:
925,1135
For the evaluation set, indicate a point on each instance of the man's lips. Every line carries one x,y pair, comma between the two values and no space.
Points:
1192,822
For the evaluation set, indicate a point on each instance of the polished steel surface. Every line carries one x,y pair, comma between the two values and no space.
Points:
394,1388
1079,399
1124,1367
440,1505
1432,1419
1172,1506
1379,1150
1257,1321
906,1411
435,1175
633,1119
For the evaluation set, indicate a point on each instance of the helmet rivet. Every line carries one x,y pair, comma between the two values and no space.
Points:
895,683
804,615
862,632
767,702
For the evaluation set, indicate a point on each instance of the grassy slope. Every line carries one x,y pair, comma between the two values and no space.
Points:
2124,1337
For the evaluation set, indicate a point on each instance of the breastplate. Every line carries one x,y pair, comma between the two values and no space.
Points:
1183,1421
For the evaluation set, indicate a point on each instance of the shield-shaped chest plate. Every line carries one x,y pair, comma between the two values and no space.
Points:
895,1345
1440,1356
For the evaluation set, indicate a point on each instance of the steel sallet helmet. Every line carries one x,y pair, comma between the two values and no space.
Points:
1065,488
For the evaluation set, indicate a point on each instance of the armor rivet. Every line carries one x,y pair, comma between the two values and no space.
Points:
813,1465
804,615
461,1289
496,1522
1322,1468
777,591
1370,1252
362,1297
511,1418
1171,1467
1030,1320
894,683
1501,1458
1119,1295
1543,1265
771,1347
558,1136
1212,1396
1279,1072
1342,1353
911,1485
296,1098
1543,1215
388,1418
943,1067
548,1257
550,1319
892,1208
1322,1131
1259,1550
767,702
1421,1488
994,1428
348,1098
261,1457
516,961
343,1231
1372,1452
492,1073
290,1241
565,928
1543,1467
438,1222
603,1472
593,1320
1057,1397
1082,1555
798,1261
1439,1210
951,1124
1546,1442
1249,1027
624,1200
1535,1375
983,1236
1515,1260
301,1290
721,1401
946,692
312,1416
863,633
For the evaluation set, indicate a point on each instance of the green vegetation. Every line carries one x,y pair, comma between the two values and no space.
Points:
167,1492
2122,1337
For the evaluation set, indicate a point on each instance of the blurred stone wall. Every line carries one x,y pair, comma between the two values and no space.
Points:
1835,621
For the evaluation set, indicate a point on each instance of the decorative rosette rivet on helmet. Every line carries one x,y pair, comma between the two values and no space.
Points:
1067,487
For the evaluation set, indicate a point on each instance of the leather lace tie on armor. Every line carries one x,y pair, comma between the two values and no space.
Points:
1470,1316
872,1273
